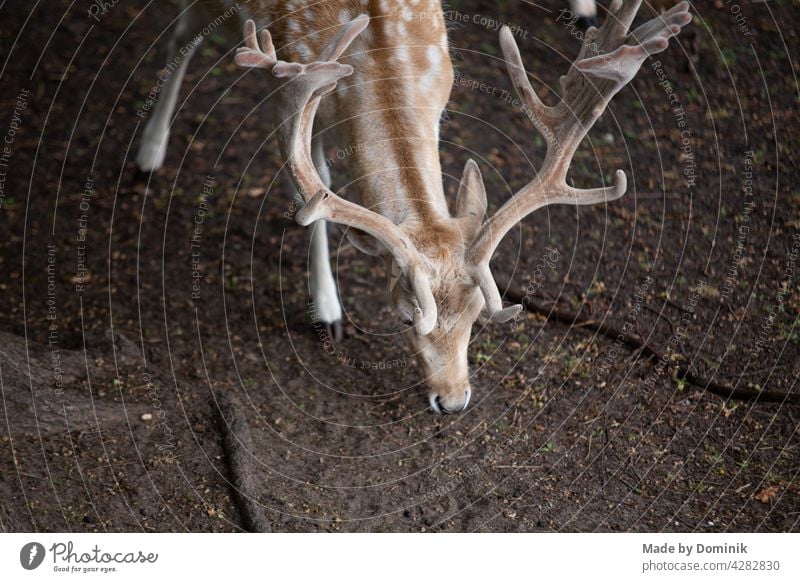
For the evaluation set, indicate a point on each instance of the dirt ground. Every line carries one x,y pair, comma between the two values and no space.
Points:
114,335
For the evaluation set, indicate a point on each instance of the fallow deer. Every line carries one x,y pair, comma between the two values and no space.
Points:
384,71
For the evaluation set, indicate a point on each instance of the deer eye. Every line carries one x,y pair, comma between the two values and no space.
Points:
404,316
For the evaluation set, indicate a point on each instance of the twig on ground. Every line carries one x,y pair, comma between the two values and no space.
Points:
662,316
635,342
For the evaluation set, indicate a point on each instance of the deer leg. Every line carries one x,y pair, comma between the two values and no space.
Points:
321,281
155,136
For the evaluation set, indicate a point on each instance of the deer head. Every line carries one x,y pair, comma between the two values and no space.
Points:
440,281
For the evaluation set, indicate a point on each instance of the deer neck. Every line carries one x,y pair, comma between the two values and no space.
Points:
390,111
393,159
386,115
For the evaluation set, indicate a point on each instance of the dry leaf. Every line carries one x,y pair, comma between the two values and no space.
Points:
767,494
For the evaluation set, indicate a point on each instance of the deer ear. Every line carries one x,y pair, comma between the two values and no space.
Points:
471,201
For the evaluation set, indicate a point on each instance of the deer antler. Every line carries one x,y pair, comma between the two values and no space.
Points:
297,96
296,100
608,60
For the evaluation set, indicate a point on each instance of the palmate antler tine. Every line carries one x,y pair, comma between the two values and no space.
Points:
540,114
252,55
344,38
298,94
678,16
298,101
296,98
651,38
609,59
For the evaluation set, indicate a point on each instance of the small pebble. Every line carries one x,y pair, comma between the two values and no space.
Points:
147,416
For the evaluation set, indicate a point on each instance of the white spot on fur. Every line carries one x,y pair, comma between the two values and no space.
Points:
303,50
430,77
402,55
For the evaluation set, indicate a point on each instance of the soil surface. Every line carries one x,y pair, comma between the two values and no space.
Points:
131,300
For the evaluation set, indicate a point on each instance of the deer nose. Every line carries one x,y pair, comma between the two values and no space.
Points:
449,404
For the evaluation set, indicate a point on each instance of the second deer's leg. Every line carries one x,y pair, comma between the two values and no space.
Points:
321,281
182,46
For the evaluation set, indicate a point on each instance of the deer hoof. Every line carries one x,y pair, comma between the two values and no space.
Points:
335,331
329,332
152,153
